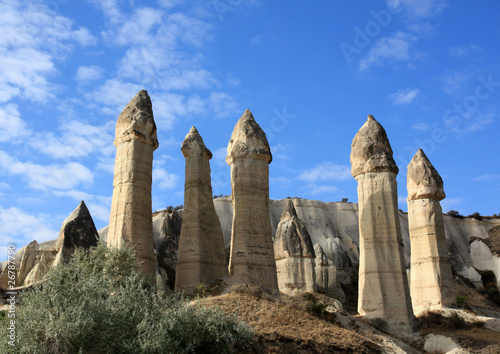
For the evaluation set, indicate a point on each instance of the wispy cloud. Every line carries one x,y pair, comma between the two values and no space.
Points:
487,178
85,74
326,171
391,50
12,128
33,39
420,126
21,227
462,51
77,139
42,177
419,8
456,81
404,96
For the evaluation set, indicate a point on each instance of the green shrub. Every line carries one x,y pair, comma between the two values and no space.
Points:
314,306
100,303
461,300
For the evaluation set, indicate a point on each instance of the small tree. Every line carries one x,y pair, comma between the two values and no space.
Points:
344,200
476,216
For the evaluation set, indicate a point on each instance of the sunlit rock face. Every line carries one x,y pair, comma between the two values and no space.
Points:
201,256
383,284
431,284
251,256
130,221
294,254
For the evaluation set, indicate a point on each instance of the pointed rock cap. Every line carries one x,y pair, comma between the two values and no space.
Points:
248,141
193,144
289,211
423,181
137,122
371,150
292,238
78,230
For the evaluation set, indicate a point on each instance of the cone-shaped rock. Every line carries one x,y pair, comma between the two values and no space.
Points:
200,258
251,256
77,231
431,281
130,221
294,254
383,284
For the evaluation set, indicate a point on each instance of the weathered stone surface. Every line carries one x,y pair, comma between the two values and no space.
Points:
77,231
383,284
201,257
483,259
431,284
252,256
294,254
130,221
327,281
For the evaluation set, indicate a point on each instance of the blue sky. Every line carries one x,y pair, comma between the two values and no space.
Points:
309,71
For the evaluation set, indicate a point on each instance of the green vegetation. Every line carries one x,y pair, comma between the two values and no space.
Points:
100,303
461,300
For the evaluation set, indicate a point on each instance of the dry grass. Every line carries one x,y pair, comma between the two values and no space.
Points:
469,335
288,324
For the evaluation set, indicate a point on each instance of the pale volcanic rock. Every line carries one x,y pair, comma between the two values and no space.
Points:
327,281
431,285
294,254
383,284
251,256
130,221
201,256
77,231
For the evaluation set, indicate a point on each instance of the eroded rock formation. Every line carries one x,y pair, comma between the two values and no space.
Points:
294,254
77,231
432,286
201,257
130,221
326,278
383,284
252,256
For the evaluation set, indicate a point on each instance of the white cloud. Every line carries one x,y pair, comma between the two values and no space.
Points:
326,171
114,94
404,96
20,227
448,203
420,126
322,189
12,127
487,178
462,51
77,139
33,39
56,176
89,73
455,81
390,50
164,179
471,120
419,8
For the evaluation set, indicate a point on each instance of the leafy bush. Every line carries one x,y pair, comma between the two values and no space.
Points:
476,216
454,214
100,303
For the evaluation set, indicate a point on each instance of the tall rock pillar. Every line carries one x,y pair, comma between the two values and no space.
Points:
383,284
201,256
432,286
252,256
130,222
294,254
